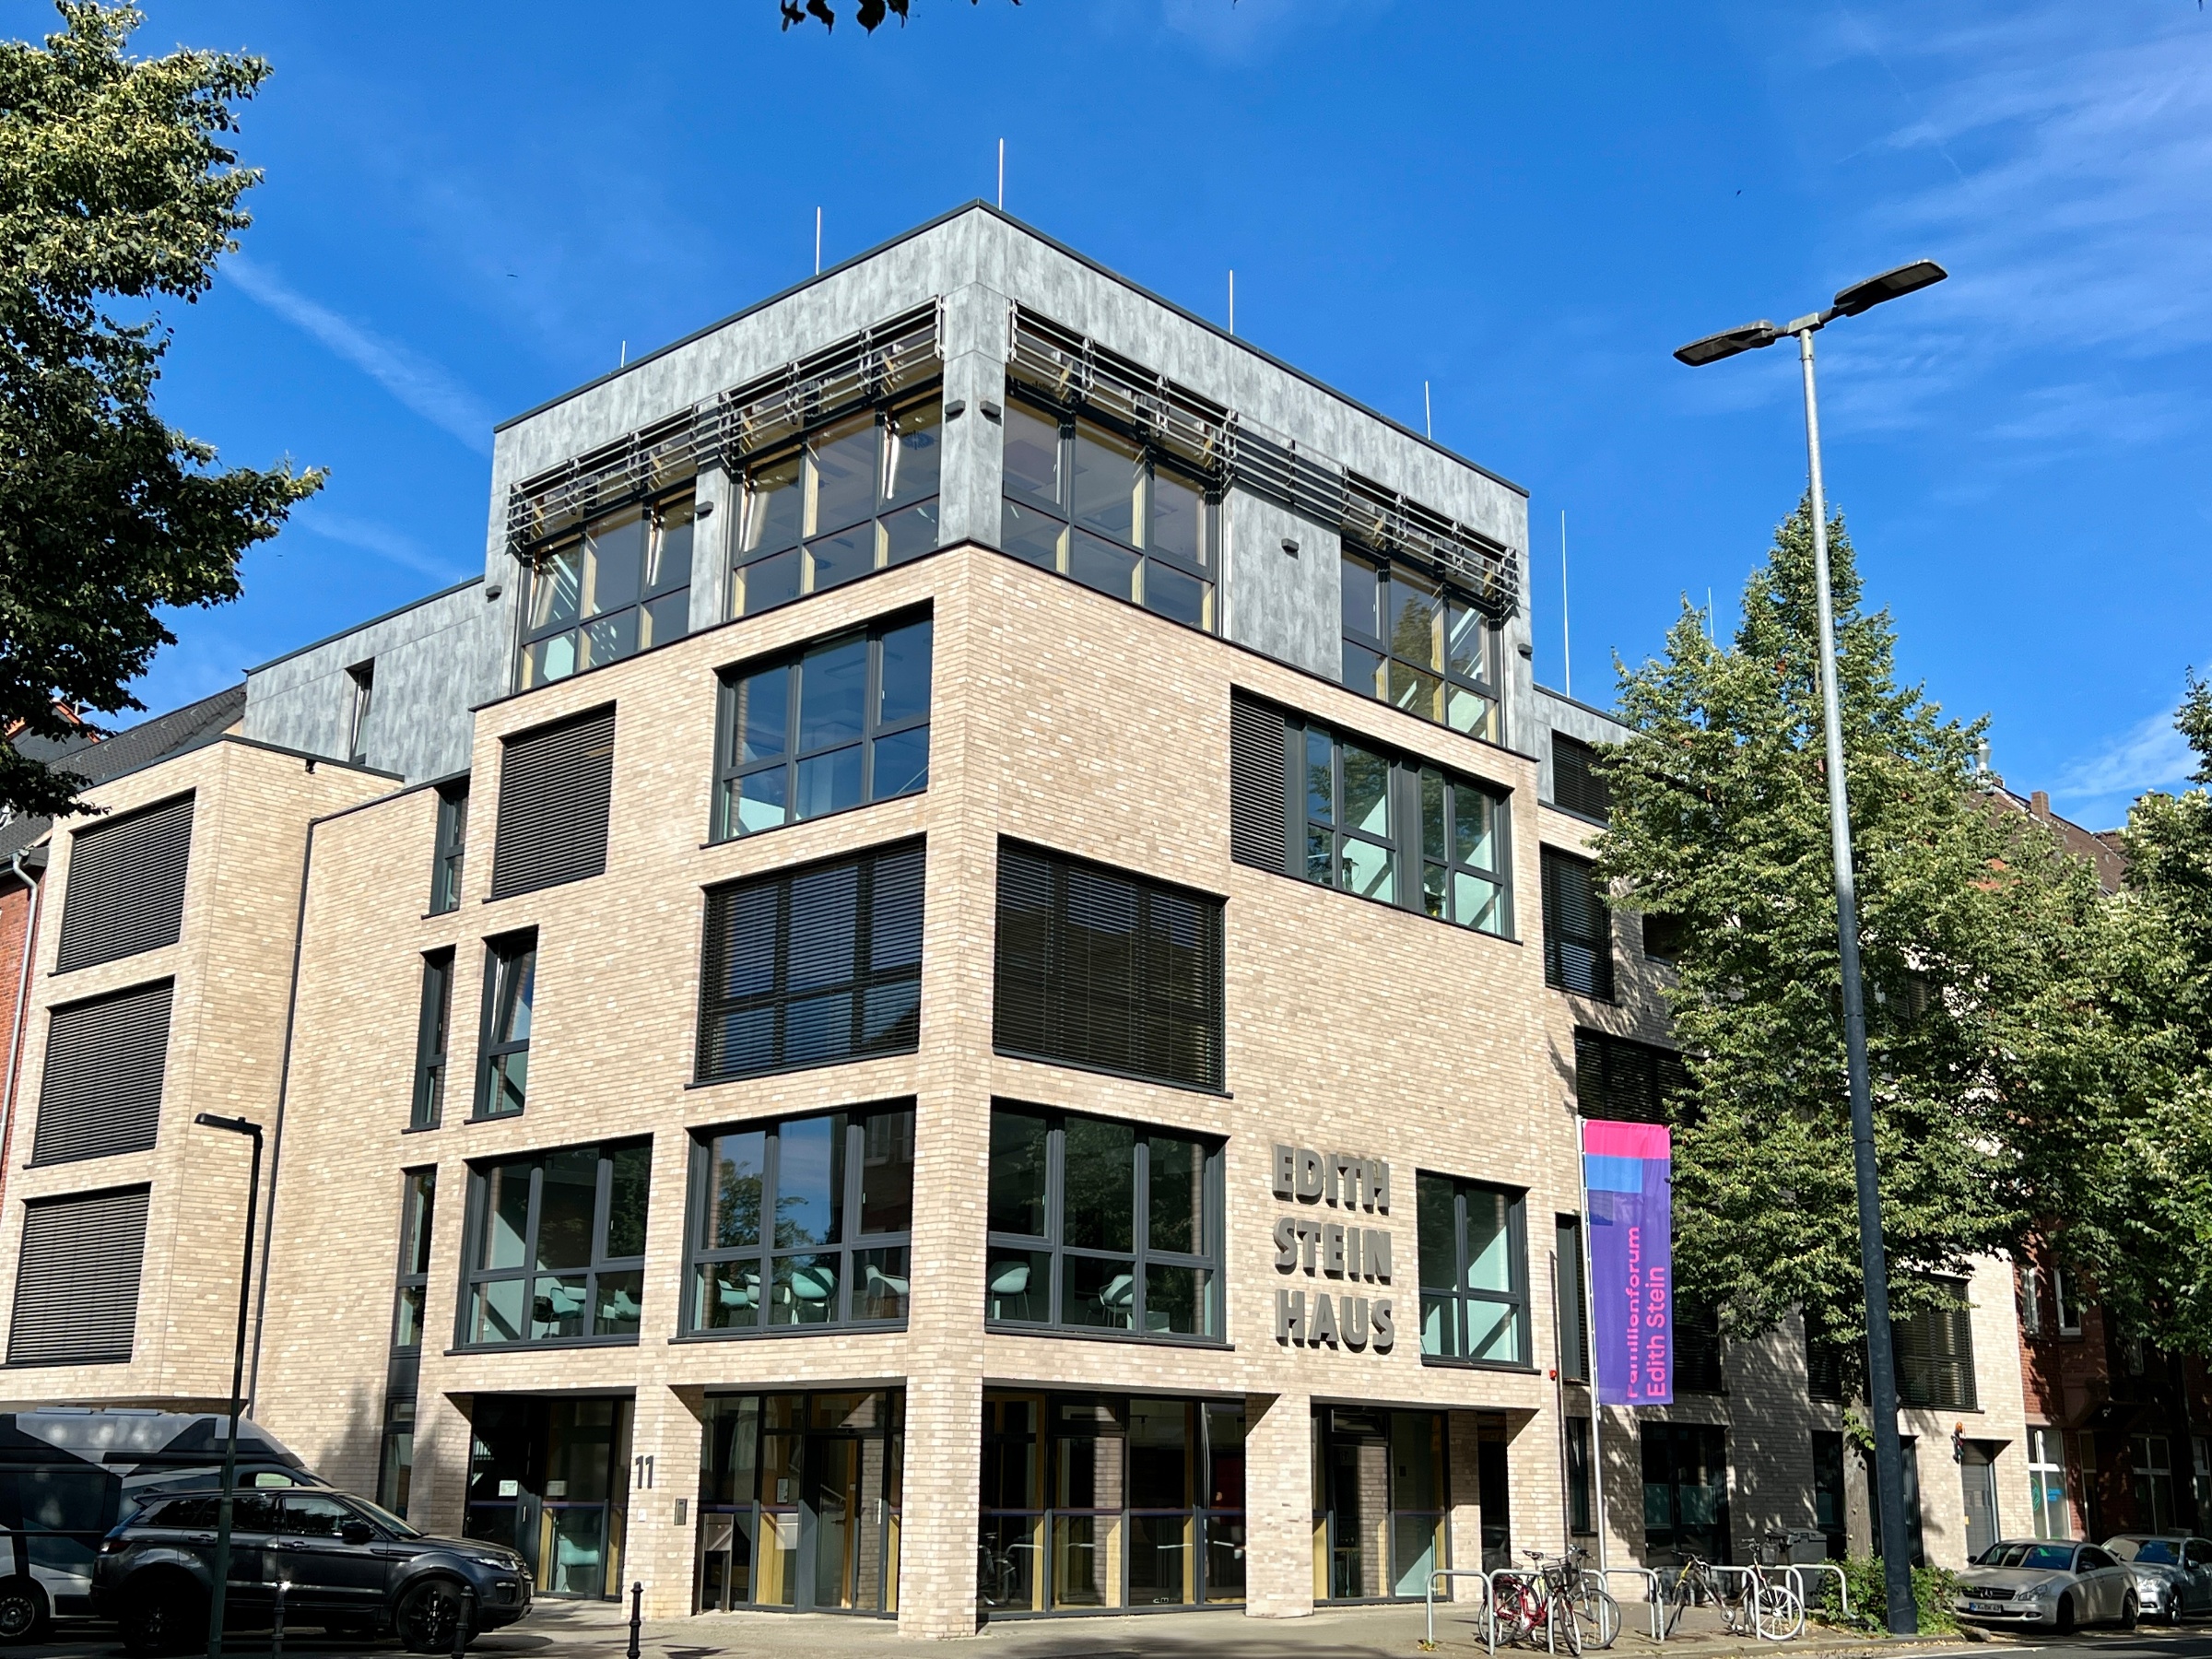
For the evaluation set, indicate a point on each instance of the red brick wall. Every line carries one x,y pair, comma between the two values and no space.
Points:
15,920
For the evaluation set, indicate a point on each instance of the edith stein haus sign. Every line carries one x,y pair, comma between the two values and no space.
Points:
1346,1253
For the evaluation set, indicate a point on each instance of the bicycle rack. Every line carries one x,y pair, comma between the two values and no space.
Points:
1524,1575
1652,1594
1842,1583
1428,1595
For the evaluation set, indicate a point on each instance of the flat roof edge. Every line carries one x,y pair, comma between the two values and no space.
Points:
397,610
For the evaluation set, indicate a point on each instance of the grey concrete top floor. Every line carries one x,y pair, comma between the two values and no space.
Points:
1552,712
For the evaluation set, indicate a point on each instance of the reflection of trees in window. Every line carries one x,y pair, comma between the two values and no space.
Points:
510,996
556,1245
1101,1224
1473,1258
858,496
1419,646
842,1202
619,586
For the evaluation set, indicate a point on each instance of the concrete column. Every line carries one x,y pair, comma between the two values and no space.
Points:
975,381
1278,1506
437,1489
943,1503
712,537
657,1550
1464,1462
1532,1464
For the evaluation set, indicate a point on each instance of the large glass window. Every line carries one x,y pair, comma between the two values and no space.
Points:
1403,833
510,996
837,724
620,585
2047,1484
1381,1503
1109,512
417,1203
433,1037
1474,1272
802,1222
800,1502
1419,645
1101,1501
813,966
556,1246
1097,1225
858,496
1686,1490
453,847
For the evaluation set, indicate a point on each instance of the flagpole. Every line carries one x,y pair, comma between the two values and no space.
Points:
1597,1411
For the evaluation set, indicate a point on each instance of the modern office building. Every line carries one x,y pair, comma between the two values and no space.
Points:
958,988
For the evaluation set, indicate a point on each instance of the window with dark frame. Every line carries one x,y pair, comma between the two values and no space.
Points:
1578,927
1630,1082
1366,819
1099,968
556,1246
1474,1251
433,1037
619,584
2066,1299
557,787
1095,1224
363,676
107,1058
1698,1355
419,1194
1936,1355
813,966
451,848
123,887
1577,783
835,725
802,1222
1579,1507
77,1278
1418,644
1663,937
503,1050
1110,512
857,496
1572,1312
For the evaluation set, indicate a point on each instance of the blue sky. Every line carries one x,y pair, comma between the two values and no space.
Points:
469,209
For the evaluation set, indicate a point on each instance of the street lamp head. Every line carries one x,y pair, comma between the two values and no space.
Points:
1747,336
237,1126
1906,280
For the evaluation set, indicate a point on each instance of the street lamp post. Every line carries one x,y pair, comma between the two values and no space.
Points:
216,1594
1881,1363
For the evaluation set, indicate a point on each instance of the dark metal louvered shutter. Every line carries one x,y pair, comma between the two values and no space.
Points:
1578,929
1258,785
1576,783
125,890
894,948
102,1090
1106,970
77,1278
745,933
556,786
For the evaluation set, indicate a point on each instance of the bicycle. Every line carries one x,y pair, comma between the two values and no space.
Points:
1594,1604
1778,1610
1539,1602
1696,1580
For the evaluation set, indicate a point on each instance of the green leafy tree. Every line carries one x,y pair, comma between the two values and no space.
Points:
868,14
115,186
1974,941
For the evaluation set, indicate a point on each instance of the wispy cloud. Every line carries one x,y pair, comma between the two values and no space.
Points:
2149,755
415,379
380,539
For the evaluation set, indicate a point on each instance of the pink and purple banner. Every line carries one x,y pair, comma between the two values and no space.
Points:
1628,1169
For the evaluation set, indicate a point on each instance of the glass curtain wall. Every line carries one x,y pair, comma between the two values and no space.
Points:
1379,1483
549,1476
1103,1502
799,1502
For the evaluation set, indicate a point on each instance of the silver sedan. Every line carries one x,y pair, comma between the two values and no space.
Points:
2173,1573
2049,1583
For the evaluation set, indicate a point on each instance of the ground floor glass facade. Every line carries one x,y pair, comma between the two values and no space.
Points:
550,1477
1382,1501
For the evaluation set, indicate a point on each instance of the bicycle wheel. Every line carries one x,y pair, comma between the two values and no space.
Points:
1736,1610
1676,1599
1565,1629
1601,1614
1781,1615
1509,1618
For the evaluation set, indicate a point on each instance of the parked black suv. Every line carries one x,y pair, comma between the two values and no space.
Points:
345,1564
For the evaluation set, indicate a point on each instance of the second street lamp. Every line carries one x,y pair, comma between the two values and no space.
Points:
216,1596
1881,1360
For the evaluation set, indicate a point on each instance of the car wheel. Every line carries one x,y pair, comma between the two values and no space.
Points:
427,1612
169,1616
2063,1624
2173,1606
23,1614
2128,1611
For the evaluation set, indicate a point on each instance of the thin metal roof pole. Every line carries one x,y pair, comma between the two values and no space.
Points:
1002,175
1566,643
818,242
1232,299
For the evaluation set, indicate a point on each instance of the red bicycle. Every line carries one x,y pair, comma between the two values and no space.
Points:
1537,1605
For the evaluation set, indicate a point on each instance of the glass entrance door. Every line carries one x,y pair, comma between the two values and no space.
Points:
550,1477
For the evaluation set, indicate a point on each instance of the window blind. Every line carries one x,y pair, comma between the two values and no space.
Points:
77,1278
102,1090
813,966
125,890
556,786
1628,1082
1259,812
1578,928
1935,1357
1099,968
1577,785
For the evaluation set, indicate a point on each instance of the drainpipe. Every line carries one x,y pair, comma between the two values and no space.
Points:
284,1085
37,890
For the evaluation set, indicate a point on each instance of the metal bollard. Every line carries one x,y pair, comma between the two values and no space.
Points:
276,1638
637,1615
464,1614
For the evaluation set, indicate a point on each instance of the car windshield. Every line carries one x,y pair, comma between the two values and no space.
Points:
382,1517
2151,1552
2040,1557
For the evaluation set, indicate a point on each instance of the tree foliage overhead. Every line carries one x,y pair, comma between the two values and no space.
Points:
115,185
1975,944
868,14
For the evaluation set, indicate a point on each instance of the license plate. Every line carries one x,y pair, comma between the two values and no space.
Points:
1985,1607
